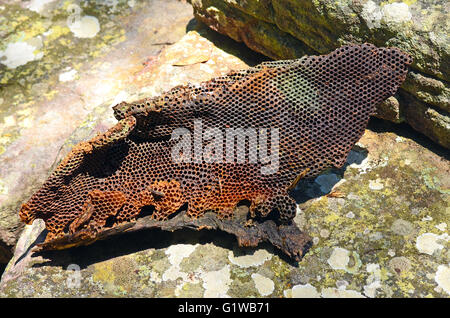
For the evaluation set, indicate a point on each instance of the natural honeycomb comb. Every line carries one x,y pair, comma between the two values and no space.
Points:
318,105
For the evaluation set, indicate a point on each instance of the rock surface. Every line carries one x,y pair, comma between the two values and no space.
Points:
284,29
382,231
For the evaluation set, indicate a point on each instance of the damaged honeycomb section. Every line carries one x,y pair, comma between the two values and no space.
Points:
319,106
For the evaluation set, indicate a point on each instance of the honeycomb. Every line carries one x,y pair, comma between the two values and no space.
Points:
317,108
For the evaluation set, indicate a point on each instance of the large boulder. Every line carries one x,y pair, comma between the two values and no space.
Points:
284,29
380,232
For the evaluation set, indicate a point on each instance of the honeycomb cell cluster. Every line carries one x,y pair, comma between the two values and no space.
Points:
205,147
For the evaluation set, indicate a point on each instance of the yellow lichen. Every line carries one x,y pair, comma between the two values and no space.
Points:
56,32
409,2
332,217
103,272
49,95
404,286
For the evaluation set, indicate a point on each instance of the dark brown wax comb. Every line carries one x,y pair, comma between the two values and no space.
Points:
317,106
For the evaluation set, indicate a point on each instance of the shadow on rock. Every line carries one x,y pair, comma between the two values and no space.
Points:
404,130
227,44
129,243
323,184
